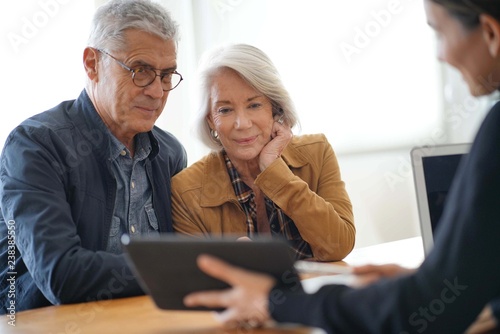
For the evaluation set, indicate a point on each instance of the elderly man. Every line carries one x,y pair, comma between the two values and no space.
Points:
77,177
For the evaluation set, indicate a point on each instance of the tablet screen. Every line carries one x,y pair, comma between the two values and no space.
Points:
167,270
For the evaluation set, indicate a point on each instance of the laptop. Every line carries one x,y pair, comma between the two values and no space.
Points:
167,271
434,168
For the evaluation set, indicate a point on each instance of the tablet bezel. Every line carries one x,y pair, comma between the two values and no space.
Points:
166,266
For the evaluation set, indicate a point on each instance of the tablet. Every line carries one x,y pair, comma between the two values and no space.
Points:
166,266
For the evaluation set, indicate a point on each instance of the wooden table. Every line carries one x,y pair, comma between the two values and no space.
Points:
136,315
140,315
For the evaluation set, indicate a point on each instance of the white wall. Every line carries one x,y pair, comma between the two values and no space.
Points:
41,54
373,104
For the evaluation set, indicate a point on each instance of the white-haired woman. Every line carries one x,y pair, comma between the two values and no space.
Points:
260,179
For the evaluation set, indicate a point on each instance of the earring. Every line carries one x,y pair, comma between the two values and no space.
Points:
214,135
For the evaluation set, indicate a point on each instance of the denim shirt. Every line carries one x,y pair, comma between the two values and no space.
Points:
134,213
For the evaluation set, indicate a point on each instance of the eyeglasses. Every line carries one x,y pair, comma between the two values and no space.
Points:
143,76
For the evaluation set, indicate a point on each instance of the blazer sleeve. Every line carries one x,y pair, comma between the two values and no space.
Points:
495,308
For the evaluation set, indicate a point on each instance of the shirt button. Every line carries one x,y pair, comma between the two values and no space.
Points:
132,228
133,184
123,153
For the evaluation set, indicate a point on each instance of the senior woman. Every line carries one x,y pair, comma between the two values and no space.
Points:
462,272
260,179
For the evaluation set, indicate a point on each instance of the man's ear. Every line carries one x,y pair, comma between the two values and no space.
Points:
491,33
90,61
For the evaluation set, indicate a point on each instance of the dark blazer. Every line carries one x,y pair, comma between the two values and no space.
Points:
457,279
57,196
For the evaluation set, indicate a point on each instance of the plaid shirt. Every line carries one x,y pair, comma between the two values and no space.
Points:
280,224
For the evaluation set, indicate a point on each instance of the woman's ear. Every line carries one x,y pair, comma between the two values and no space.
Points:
210,122
491,34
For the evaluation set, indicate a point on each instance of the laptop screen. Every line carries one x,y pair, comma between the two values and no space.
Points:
439,172
434,168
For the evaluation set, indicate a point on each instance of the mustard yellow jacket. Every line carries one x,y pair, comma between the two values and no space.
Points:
305,183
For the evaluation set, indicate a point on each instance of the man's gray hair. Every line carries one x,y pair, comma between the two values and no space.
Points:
115,17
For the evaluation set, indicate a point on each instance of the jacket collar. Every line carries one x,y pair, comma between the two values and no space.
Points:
293,157
216,178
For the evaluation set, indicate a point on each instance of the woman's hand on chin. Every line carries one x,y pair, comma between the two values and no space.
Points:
281,135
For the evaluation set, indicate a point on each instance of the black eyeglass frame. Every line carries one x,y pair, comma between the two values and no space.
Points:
134,71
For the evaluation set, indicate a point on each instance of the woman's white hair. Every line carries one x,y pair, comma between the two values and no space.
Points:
255,67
